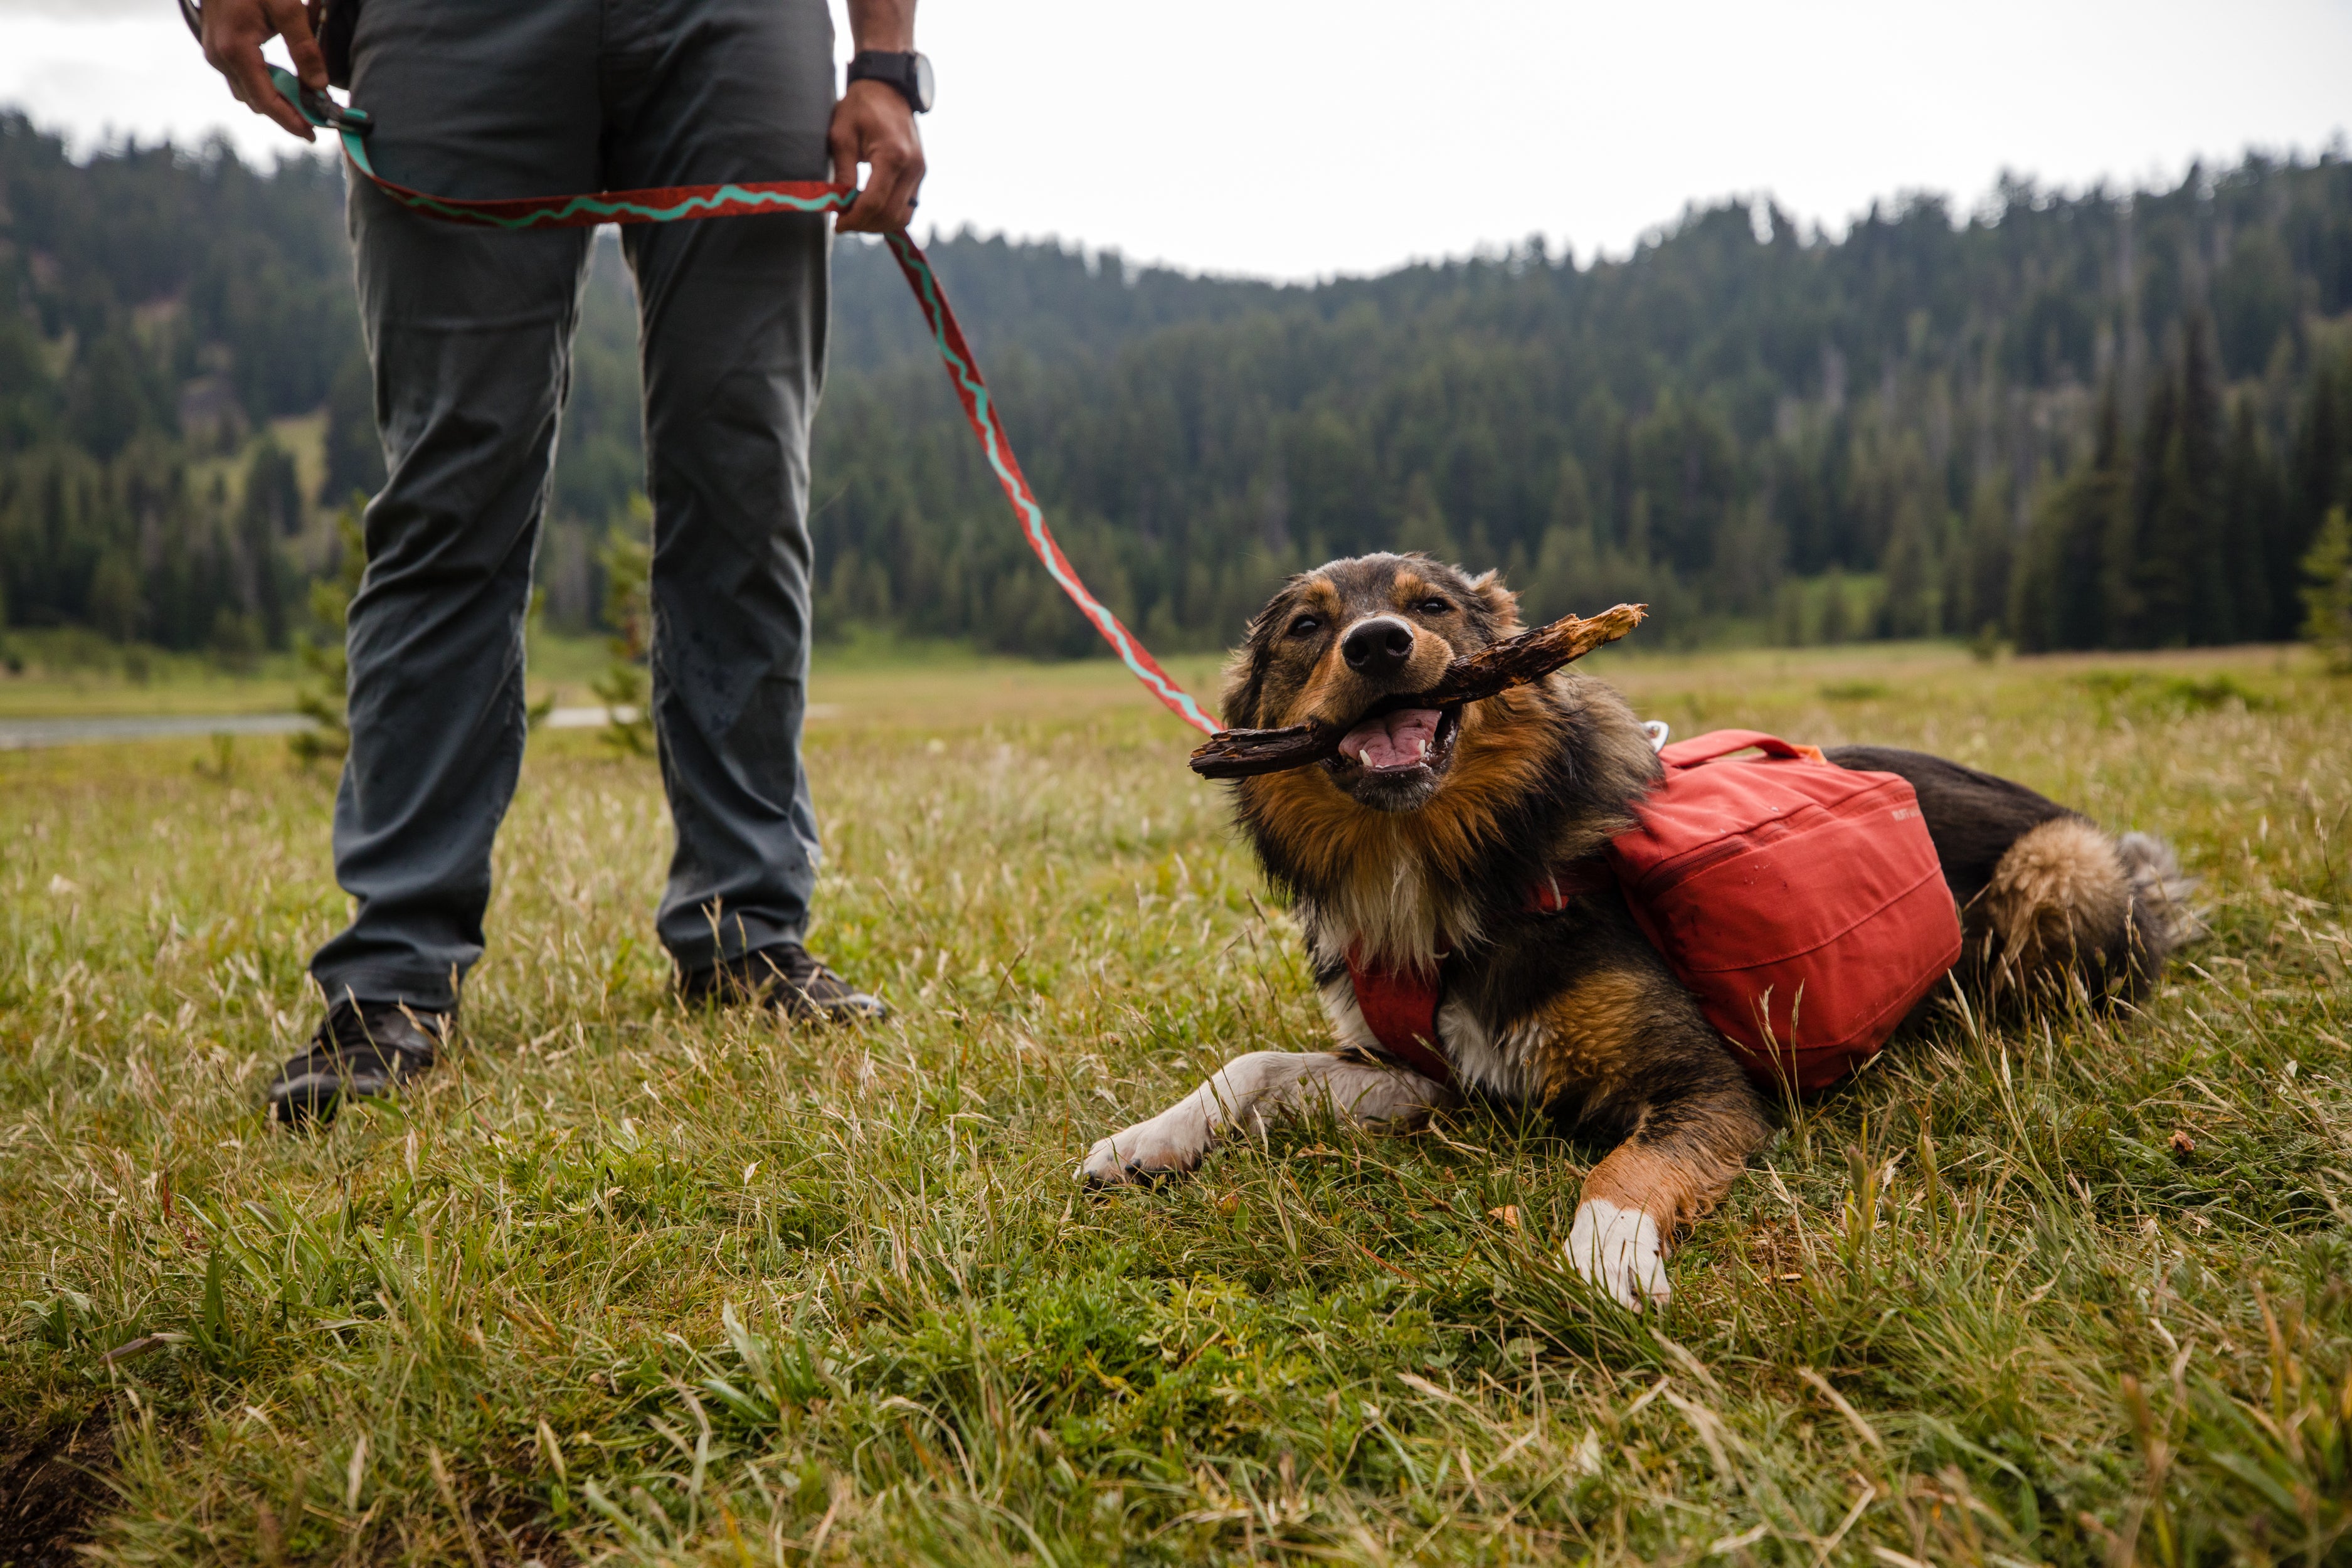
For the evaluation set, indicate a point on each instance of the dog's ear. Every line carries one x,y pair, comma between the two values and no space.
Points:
1244,678
1497,605
1244,674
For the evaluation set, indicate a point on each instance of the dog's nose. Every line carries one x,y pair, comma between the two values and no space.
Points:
1379,646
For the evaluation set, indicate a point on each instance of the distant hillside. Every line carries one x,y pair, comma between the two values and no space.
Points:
2111,418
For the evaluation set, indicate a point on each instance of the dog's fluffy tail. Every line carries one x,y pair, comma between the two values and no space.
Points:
2070,905
2163,920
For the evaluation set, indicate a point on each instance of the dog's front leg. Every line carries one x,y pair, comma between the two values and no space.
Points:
1684,1153
1252,1091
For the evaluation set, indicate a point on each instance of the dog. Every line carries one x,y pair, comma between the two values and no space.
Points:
1420,845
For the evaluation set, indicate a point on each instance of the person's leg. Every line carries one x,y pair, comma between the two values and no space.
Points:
469,334
733,334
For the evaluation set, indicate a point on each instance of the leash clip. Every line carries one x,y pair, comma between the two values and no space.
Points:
321,109
324,111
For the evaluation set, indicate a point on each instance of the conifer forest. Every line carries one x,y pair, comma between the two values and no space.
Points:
2112,419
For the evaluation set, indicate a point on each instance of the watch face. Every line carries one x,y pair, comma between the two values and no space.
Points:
923,81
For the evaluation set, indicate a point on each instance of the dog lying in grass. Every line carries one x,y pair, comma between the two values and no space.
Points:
1421,843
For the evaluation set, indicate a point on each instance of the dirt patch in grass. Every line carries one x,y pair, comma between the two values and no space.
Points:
52,1490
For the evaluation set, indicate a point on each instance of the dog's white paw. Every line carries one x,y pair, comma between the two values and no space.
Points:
1159,1147
1620,1250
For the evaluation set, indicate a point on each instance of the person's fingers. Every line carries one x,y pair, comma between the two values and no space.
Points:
841,142
898,207
873,125
292,20
882,207
863,214
894,174
906,180
910,184
234,32
261,95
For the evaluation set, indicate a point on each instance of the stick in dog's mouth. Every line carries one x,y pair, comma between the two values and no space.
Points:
1401,731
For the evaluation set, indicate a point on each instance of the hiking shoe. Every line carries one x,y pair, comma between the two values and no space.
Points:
788,978
361,1049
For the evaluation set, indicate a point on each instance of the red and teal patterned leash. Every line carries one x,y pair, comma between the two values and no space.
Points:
680,204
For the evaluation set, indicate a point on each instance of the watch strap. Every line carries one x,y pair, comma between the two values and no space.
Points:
892,68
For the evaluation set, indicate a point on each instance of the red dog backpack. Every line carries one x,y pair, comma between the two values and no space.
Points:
1801,902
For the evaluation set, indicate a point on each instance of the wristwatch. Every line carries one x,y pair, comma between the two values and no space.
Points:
911,73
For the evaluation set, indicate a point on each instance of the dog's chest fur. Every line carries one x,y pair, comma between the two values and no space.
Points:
1543,776
1502,1057
1506,1062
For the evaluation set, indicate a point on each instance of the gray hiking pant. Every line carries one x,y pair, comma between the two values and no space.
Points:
470,332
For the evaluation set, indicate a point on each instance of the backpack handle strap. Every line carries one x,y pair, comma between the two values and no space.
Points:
1717,743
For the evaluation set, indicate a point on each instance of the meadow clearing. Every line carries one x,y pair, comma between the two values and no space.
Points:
627,1283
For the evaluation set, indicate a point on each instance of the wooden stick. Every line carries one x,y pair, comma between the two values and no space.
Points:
1521,660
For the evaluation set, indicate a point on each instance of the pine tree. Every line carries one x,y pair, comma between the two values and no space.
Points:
331,605
1424,526
2322,475
354,450
2195,473
1837,623
628,559
1910,609
1571,498
2129,565
1977,597
2250,503
272,510
2061,592
2327,596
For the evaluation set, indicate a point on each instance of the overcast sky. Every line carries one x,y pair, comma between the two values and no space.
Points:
1287,138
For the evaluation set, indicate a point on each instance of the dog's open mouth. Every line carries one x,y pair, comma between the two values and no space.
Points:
1400,742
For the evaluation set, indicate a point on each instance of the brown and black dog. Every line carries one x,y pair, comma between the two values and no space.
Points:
1421,843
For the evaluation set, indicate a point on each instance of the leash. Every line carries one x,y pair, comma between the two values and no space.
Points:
682,204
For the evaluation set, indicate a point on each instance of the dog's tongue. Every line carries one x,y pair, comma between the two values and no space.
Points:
1399,740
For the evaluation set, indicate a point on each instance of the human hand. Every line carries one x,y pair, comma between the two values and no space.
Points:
873,125
234,31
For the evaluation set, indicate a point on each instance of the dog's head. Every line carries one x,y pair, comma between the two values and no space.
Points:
1342,644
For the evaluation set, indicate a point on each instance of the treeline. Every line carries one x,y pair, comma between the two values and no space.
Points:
159,313
184,395
2191,523
2071,420
2104,419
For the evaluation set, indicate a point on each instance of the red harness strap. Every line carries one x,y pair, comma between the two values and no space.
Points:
1399,1005
1573,879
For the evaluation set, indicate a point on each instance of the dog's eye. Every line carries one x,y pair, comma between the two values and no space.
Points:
1305,625
1435,606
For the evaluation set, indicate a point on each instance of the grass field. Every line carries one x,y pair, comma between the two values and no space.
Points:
624,1283
75,673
